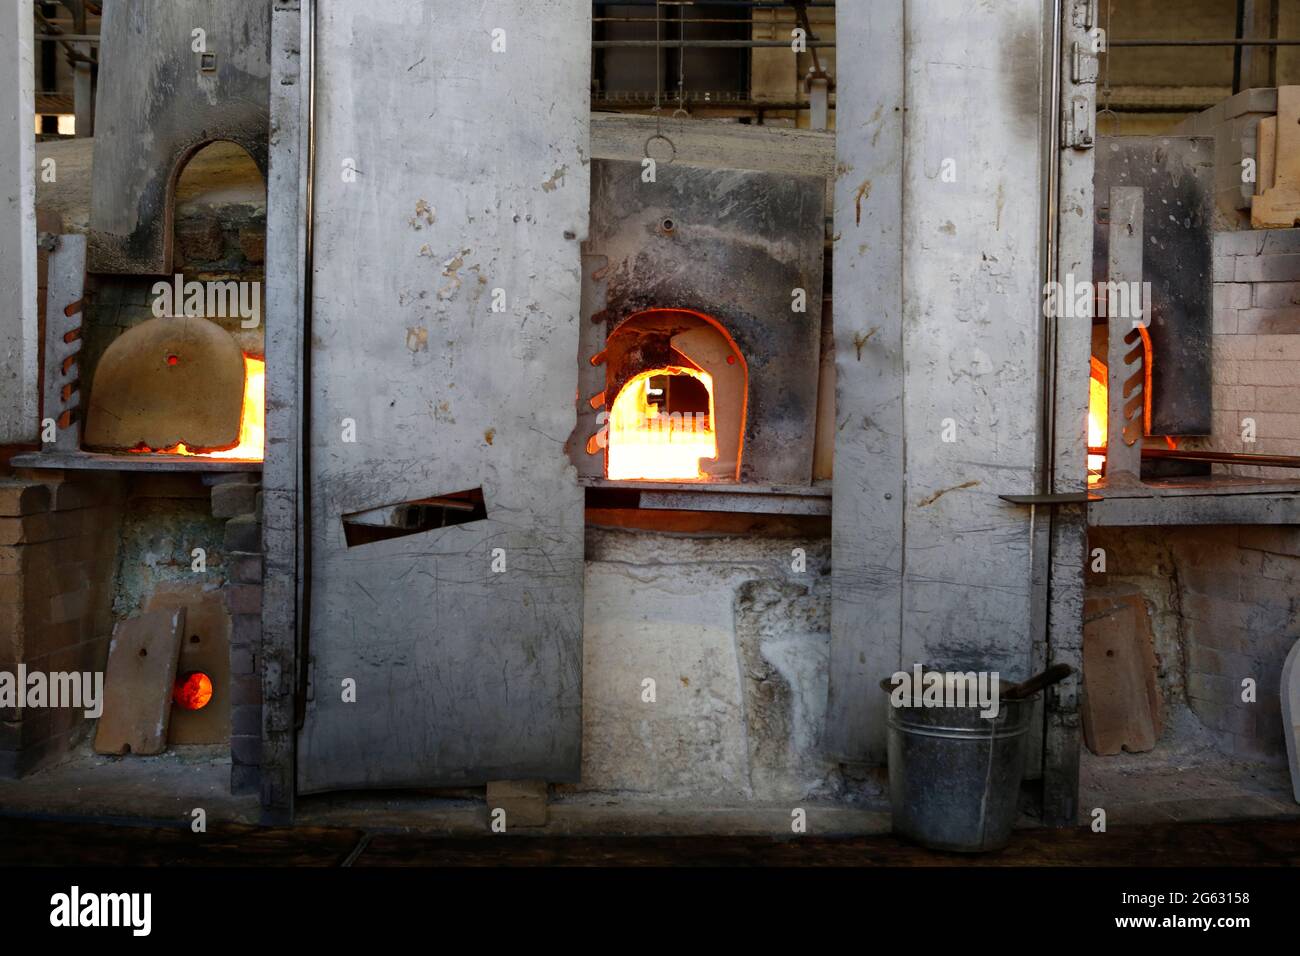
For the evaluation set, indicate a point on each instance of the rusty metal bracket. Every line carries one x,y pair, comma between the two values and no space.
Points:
63,319
1126,359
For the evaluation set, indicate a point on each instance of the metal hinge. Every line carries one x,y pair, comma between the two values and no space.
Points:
1085,14
1077,124
1085,64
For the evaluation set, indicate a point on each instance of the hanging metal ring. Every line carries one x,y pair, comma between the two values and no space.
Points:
670,143
1114,117
681,111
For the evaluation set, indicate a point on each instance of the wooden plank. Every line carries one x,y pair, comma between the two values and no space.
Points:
1121,702
205,647
138,683
1266,153
1278,207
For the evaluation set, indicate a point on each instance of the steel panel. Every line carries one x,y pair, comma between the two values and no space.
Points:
1176,174
867,517
470,178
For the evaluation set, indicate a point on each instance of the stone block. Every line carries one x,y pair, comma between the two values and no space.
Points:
246,721
84,492
1243,242
1281,242
246,629
1273,374
1283,268
253,245
233,499
245,778
1284,348
246,690
246,749
243,661
1277,399
244,598
246,568
19,498
244,533
1275,539
1275,295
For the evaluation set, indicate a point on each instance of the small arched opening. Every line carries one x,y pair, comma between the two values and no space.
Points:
676,395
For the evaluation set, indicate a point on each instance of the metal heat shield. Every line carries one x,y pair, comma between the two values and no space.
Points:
740,246
1176,175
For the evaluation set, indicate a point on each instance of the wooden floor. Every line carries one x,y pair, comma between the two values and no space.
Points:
55,843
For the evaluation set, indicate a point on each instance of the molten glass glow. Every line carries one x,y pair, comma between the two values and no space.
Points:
192,691
252,420
1097,412
647,444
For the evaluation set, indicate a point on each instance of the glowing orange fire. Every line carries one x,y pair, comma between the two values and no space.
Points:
252,421
647,444
193,691
1097,412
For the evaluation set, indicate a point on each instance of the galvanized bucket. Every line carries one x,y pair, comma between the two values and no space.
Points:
954,776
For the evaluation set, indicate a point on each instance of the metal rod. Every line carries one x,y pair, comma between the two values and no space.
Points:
742,4
1224,457
647,103
67,37
1050,114
701,21
303,445
1129,43
693,44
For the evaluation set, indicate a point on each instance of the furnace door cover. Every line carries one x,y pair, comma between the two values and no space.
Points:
451,199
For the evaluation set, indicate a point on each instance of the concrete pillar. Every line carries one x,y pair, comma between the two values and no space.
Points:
18,326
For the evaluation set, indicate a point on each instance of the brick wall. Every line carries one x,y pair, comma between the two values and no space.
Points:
1241,610
72,558
1225,605
58,537
1256,359
238,499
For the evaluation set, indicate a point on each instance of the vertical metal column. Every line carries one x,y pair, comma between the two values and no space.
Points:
18,324
1124,355
1071,255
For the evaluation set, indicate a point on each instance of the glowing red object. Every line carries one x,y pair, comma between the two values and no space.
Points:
193,691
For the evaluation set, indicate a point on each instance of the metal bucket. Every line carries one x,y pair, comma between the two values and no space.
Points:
954,776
